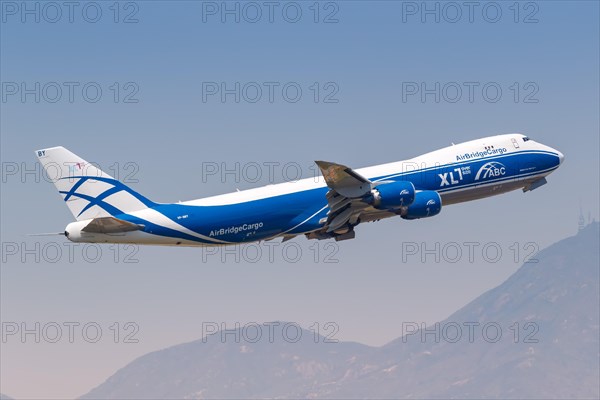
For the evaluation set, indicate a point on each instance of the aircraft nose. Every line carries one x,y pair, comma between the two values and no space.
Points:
561,157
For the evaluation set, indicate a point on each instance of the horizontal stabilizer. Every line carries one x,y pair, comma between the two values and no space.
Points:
111,225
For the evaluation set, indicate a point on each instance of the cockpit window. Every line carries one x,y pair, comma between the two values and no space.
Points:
525,138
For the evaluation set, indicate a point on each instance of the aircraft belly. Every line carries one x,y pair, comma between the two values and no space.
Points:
479,192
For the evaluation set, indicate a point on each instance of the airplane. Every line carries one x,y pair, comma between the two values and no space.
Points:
330,206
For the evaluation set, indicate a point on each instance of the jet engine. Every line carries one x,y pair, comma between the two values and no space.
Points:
391,195
427,203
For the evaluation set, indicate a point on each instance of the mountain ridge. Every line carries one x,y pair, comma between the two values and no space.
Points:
546,313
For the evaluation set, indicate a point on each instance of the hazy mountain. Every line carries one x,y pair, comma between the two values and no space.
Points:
553,304
223,368
558,296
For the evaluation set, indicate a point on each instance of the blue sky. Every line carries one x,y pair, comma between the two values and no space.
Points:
173,132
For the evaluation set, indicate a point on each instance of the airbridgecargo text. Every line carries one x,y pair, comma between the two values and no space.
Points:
478,154
236,229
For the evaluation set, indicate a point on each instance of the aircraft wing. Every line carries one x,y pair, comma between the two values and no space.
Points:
110,225
345,199
344,180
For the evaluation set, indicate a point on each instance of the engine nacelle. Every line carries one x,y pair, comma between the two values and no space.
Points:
427,204
392,195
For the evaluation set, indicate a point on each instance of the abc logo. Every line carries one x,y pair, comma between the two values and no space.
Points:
490,170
